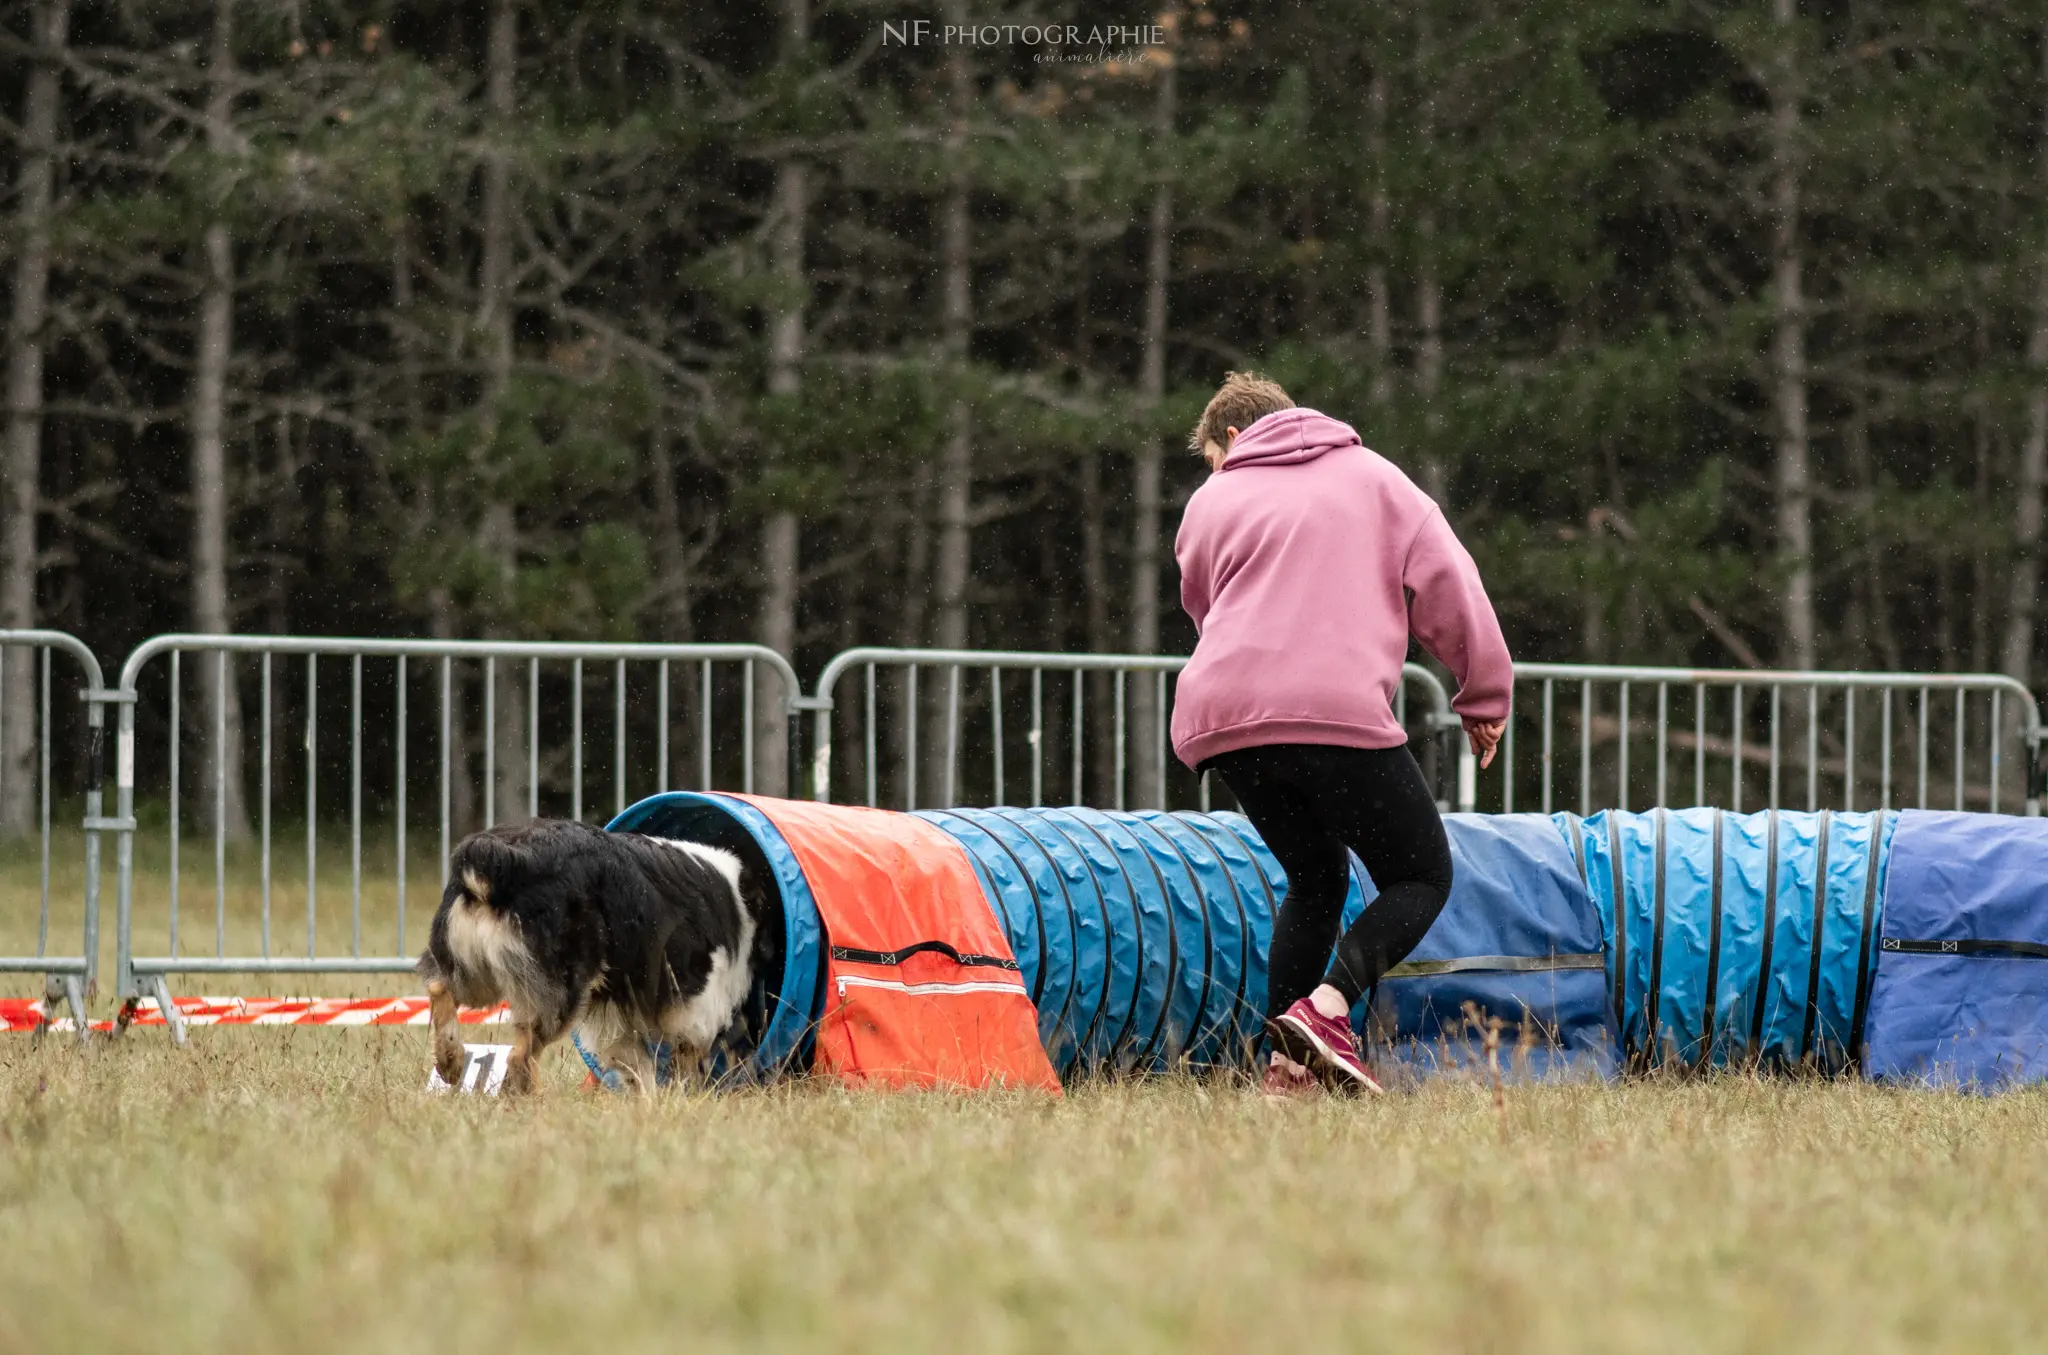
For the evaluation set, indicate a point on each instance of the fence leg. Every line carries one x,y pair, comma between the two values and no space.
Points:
2037,779
173,1018
72,991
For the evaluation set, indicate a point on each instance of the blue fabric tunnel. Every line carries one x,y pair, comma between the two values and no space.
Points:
1521,942
1692,937
1961,994
1732,936
1142,936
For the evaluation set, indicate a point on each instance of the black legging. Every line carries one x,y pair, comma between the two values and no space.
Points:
1311,801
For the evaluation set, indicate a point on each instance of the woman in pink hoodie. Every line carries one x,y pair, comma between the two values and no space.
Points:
1306,563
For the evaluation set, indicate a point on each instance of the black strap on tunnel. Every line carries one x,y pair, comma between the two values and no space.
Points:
1172,930
1864,967
1244,968
1195,1036
1713,992
1037,906
1126,1040
1620,933
1578,848
1073,917
1108,938
1820,922
1237,901
1498,964
1655,1046
897,957
1970,948
1758,1013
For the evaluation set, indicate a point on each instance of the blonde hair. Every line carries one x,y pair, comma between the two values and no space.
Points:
1241,401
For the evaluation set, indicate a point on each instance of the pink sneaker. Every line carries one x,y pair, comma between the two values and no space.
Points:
1288,1084
1326,1047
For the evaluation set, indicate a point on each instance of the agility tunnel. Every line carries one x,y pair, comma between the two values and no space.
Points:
1734,937
1139,939
1910,946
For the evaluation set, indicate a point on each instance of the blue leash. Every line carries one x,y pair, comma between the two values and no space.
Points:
614,1081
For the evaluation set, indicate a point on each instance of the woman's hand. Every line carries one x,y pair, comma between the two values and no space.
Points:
1485,739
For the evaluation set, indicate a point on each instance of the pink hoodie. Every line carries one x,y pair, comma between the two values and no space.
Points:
1305,563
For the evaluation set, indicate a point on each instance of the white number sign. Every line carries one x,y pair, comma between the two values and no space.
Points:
483,1070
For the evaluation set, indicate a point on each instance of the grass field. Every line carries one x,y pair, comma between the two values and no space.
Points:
295,1190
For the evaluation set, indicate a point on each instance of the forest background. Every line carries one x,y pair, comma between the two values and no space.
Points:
1720,330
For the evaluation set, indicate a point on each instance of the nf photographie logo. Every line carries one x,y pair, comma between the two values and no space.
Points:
924,32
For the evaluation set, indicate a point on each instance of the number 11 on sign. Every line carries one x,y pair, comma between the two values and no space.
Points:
483,1070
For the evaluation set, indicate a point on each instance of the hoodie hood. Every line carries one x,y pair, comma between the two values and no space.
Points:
1288,436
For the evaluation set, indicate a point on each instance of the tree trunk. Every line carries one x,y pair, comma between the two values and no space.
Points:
500,523
951,567
917,579
1876,607
1147,789
1981,546
220,781
781,553
674,592
1788,351
35,192
2016,655
1429,362
1100,753
1100,750
1429,297
1379,317
674,587
411,393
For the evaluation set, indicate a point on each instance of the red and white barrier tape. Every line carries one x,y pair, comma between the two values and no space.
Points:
25,1014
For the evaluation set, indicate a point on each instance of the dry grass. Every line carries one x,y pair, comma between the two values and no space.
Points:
294,1189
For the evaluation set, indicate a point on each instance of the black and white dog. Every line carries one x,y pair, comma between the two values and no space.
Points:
641,939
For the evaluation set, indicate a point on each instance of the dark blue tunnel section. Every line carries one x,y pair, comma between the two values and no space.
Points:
1961,991
1519,941
1736,937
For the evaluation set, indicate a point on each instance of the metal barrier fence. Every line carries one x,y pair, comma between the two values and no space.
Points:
33,729
505,723
1017,730
1845,739
472,712
1767,739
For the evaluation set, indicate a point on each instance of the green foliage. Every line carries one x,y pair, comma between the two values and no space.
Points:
559,452
1583,187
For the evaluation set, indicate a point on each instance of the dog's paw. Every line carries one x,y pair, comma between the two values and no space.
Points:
519,1080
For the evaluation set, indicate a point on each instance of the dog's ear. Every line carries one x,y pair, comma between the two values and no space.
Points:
486,864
